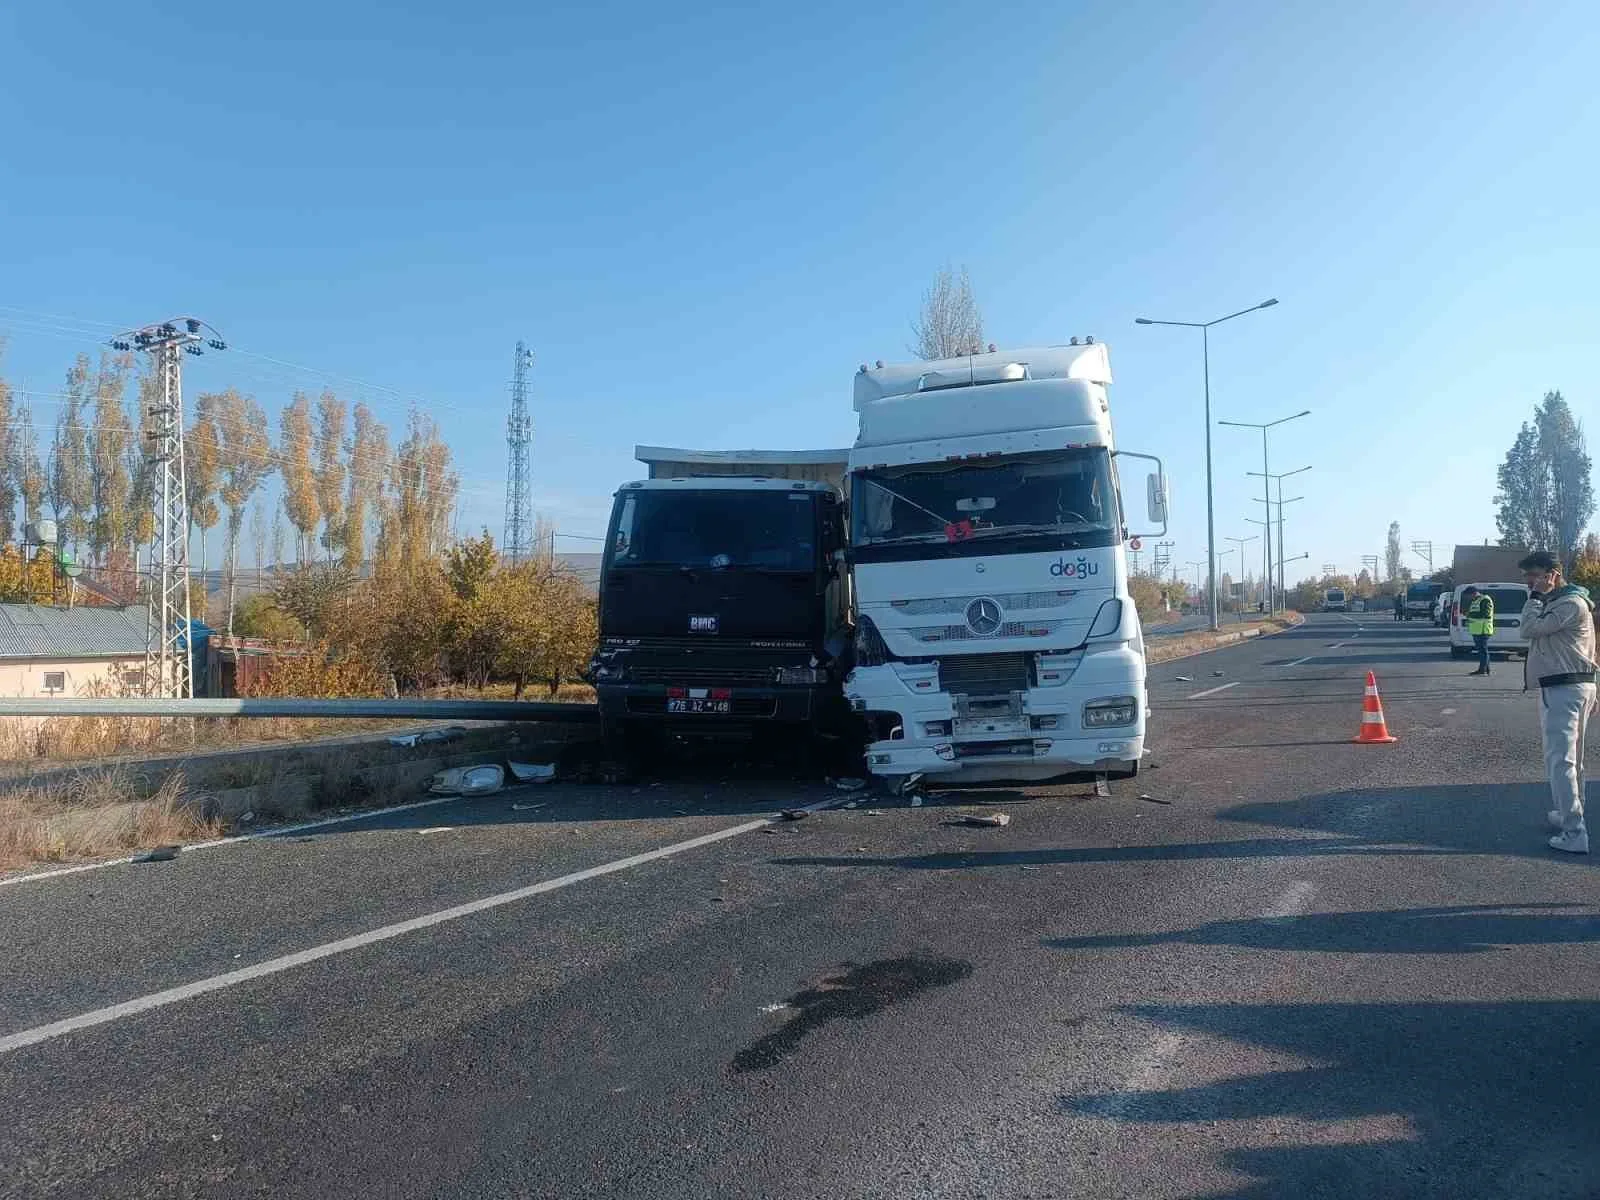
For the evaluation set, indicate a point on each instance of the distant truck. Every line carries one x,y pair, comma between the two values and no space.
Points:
1333,600
724,601
1420,600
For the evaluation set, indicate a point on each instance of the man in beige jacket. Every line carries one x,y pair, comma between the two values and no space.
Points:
1559,625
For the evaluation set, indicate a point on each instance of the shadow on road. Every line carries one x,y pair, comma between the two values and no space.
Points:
1500,1096
1505,818
1460,929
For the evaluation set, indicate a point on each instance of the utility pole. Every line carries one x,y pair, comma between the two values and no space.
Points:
168,650
1371,561
1424,550
1163,557
518,532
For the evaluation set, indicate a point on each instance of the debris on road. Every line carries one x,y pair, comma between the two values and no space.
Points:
852,804
988,820
246,817
1184,679
406,740
532,772
1148,798
527,807
794,814
916,802
873,812
158,854
848,785
468,781
1102,787
1028,868
1218,674
453,733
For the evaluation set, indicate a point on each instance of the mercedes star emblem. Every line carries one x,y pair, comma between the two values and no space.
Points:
983,617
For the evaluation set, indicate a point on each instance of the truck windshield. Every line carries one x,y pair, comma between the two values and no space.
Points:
720,529
1065,498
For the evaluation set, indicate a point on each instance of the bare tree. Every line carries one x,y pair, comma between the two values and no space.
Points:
949,323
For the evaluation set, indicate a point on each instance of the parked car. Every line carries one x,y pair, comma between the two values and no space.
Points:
1509,601
1441,609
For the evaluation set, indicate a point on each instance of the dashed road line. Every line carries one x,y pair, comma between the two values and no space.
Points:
1213,691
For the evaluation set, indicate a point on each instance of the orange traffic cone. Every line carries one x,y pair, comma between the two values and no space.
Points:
1373,729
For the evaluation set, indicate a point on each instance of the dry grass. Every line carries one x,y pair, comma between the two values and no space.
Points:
95,814
1167,648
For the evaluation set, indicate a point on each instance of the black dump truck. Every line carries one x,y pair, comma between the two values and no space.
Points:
724,606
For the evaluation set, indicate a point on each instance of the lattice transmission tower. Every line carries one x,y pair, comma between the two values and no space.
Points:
168,668
517,538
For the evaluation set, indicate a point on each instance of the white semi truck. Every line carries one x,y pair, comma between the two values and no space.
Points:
995,634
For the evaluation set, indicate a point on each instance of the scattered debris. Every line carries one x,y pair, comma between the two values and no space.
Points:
916,802
852,804
874,812
848,785
158,854
436,829
468,781
1102,787
989,820
1146,796
246,817
453,733
904,785
532,772
1028,868
527,807
794,814
1218,674
1184,679
404,739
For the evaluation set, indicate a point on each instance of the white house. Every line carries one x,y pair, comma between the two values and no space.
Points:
50,652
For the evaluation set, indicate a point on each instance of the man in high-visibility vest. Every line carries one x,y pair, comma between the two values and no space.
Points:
1479,615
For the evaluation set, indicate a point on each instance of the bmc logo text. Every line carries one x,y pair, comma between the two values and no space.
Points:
1081,569
702,624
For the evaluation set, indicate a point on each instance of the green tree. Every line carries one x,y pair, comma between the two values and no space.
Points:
1546,488
1392,553
470,564
313,593
8,484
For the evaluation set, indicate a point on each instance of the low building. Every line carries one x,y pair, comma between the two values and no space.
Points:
48,652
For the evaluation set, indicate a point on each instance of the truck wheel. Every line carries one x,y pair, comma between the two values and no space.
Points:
1459,651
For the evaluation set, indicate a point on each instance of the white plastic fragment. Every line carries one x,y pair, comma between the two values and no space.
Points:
532,772
989,820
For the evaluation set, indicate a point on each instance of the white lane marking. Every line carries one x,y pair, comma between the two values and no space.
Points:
235,839
1213,691
1336,645
1297,662
1447,712
1295,900
287,962
1149,1066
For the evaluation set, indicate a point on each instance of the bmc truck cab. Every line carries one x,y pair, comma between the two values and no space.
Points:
995,635
723,611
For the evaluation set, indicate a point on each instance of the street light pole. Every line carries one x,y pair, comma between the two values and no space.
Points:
1283,585
1205,358
1265,469
1239,544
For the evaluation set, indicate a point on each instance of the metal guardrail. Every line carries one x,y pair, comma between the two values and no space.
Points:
425,710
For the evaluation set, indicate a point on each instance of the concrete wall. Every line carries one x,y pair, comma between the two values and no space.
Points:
25,678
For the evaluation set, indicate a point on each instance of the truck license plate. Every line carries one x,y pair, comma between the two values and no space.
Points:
699,706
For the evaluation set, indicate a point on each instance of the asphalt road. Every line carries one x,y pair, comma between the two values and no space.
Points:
1299,968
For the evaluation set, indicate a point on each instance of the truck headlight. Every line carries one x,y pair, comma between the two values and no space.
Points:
1110,711
1108,620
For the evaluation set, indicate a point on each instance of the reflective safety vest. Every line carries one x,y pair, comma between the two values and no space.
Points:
1480,615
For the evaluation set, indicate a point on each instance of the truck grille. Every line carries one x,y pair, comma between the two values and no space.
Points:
984,674
698,675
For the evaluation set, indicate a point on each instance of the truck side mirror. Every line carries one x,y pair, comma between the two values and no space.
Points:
1157,498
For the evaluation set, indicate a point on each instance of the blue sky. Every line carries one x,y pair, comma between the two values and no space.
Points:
703,219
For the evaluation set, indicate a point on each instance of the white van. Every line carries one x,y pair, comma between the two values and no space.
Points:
1509,601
